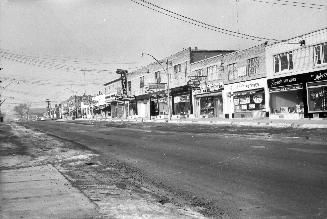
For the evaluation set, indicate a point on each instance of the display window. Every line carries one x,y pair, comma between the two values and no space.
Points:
182,105
317,97
288,101
207,106
249,100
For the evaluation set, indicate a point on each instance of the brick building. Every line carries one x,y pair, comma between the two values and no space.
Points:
149,85
245,92
297,76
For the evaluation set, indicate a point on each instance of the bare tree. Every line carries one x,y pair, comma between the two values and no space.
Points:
22,110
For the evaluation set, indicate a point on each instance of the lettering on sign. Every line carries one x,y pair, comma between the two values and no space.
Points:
319,77
124,83
282,81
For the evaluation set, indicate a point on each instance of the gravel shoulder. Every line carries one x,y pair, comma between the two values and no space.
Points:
117,190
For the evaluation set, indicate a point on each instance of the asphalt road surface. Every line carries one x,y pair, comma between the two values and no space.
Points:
237,171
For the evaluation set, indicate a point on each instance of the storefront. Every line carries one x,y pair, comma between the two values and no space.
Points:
209,101
143,105
246,99
299,96
182,101
158,104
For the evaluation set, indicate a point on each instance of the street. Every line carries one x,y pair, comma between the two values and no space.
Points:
223,170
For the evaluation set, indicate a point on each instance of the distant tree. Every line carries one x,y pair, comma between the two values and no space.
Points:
22,110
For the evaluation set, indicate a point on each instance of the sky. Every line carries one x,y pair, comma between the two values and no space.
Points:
103,35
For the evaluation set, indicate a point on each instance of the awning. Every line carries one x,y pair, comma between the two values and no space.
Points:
208,94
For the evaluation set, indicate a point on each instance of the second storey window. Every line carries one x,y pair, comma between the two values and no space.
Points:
283,62
231,71
320,54
212,72
252,66
141,81
157,77
177,68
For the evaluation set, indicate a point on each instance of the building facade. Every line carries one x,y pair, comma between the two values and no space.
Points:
297,76
207,81
149,84
245,92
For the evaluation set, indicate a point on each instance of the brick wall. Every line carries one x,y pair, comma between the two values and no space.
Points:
240,58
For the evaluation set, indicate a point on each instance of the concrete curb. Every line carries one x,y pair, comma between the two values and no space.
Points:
255,123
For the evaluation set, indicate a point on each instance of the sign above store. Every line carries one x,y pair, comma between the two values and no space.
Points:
298,79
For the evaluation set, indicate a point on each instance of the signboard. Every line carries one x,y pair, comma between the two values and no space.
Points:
123,79
156,86
298,79
246,85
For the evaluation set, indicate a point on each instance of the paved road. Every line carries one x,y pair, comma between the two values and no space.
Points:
241,172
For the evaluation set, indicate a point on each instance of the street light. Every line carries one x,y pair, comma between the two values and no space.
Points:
168,80
74,94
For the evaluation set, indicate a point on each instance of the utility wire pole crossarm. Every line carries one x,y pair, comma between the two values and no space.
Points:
168,80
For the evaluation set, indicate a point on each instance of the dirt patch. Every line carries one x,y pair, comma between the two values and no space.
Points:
115,188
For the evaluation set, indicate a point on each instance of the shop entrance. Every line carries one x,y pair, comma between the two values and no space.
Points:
211,106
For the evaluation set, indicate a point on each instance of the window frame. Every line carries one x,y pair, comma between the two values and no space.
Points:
252,64
290,62
322,50
232,67
142,81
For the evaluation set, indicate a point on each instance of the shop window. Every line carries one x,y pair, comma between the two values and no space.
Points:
320,54
157,77
317,98
141,81
252,66
231,71
249,100
283,62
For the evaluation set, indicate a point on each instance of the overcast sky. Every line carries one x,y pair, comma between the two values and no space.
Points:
110,34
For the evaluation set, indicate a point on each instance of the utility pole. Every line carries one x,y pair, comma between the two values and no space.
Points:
85,70
168,88
168,80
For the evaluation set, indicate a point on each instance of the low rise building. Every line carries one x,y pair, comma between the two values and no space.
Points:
297,76
150,84
245,92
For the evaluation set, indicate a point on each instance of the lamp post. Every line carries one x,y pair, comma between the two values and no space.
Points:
168,80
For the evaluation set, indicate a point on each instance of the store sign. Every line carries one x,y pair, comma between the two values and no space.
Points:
286,88
276,82
319,77
155,86
297,79
123,79
216,86
247,85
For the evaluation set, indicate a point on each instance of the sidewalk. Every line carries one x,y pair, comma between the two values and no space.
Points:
41,192
265,122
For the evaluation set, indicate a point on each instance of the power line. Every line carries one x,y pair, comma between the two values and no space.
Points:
293,3
198,23
302,3
62,63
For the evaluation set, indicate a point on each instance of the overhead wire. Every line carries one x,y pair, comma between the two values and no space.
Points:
293,3
198,23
